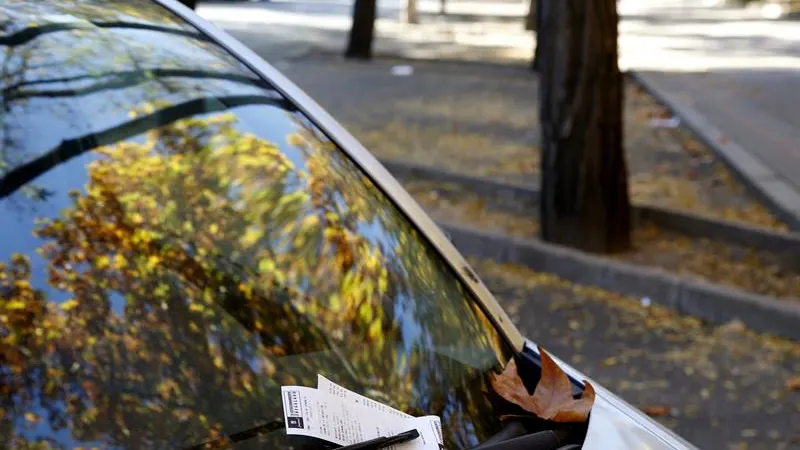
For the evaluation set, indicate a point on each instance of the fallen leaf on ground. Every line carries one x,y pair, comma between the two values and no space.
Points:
793,383
657,410
734,326
552,398
691,146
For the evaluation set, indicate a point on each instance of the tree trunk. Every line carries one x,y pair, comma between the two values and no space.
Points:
411,15
584,201
442,7
189,3
361,33
540,16
530,19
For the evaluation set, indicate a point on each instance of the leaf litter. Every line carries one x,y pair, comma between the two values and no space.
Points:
715,261
484,121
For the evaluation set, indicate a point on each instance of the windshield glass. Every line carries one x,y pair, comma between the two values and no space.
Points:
178,241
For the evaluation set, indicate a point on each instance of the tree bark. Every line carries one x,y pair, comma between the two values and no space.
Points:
411,15
530,19
584,200
361,32
538,15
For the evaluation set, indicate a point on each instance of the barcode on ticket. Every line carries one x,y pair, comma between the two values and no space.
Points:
294,414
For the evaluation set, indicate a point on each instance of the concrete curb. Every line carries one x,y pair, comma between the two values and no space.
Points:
769,186
698,226
518,197
712,303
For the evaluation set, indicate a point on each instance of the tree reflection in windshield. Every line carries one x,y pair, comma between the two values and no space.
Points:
189,260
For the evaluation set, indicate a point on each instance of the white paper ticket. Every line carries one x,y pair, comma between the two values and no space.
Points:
326,385
346,418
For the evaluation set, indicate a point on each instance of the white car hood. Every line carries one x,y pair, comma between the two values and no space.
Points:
616,425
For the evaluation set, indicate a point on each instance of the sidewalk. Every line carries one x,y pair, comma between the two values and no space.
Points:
470,32
735,80
749,129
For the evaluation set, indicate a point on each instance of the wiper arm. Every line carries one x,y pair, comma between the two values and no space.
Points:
277,424
512,429
542,440
240,436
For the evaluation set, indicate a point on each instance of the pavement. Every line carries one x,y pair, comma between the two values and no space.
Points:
734,78
485,30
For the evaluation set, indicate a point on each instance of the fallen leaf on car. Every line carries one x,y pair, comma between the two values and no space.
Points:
552,399
793,383
657,410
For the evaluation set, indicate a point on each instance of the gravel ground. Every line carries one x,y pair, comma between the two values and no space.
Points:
722,388
482,120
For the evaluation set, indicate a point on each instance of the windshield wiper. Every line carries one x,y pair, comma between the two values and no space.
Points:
515,435
240,436
541,440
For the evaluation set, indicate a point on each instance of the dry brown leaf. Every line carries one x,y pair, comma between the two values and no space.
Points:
793,383
657,410
552,399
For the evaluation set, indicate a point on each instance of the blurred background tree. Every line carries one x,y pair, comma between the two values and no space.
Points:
359,43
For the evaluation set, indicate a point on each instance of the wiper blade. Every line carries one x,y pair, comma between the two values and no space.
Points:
240,436
542,440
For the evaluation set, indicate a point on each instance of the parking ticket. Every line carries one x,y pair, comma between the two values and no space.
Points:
344,417
326,385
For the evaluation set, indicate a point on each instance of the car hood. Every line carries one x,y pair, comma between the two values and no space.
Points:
616,425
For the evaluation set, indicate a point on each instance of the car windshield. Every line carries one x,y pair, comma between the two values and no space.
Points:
177,241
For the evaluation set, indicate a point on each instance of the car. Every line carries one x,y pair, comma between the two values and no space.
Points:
185,232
